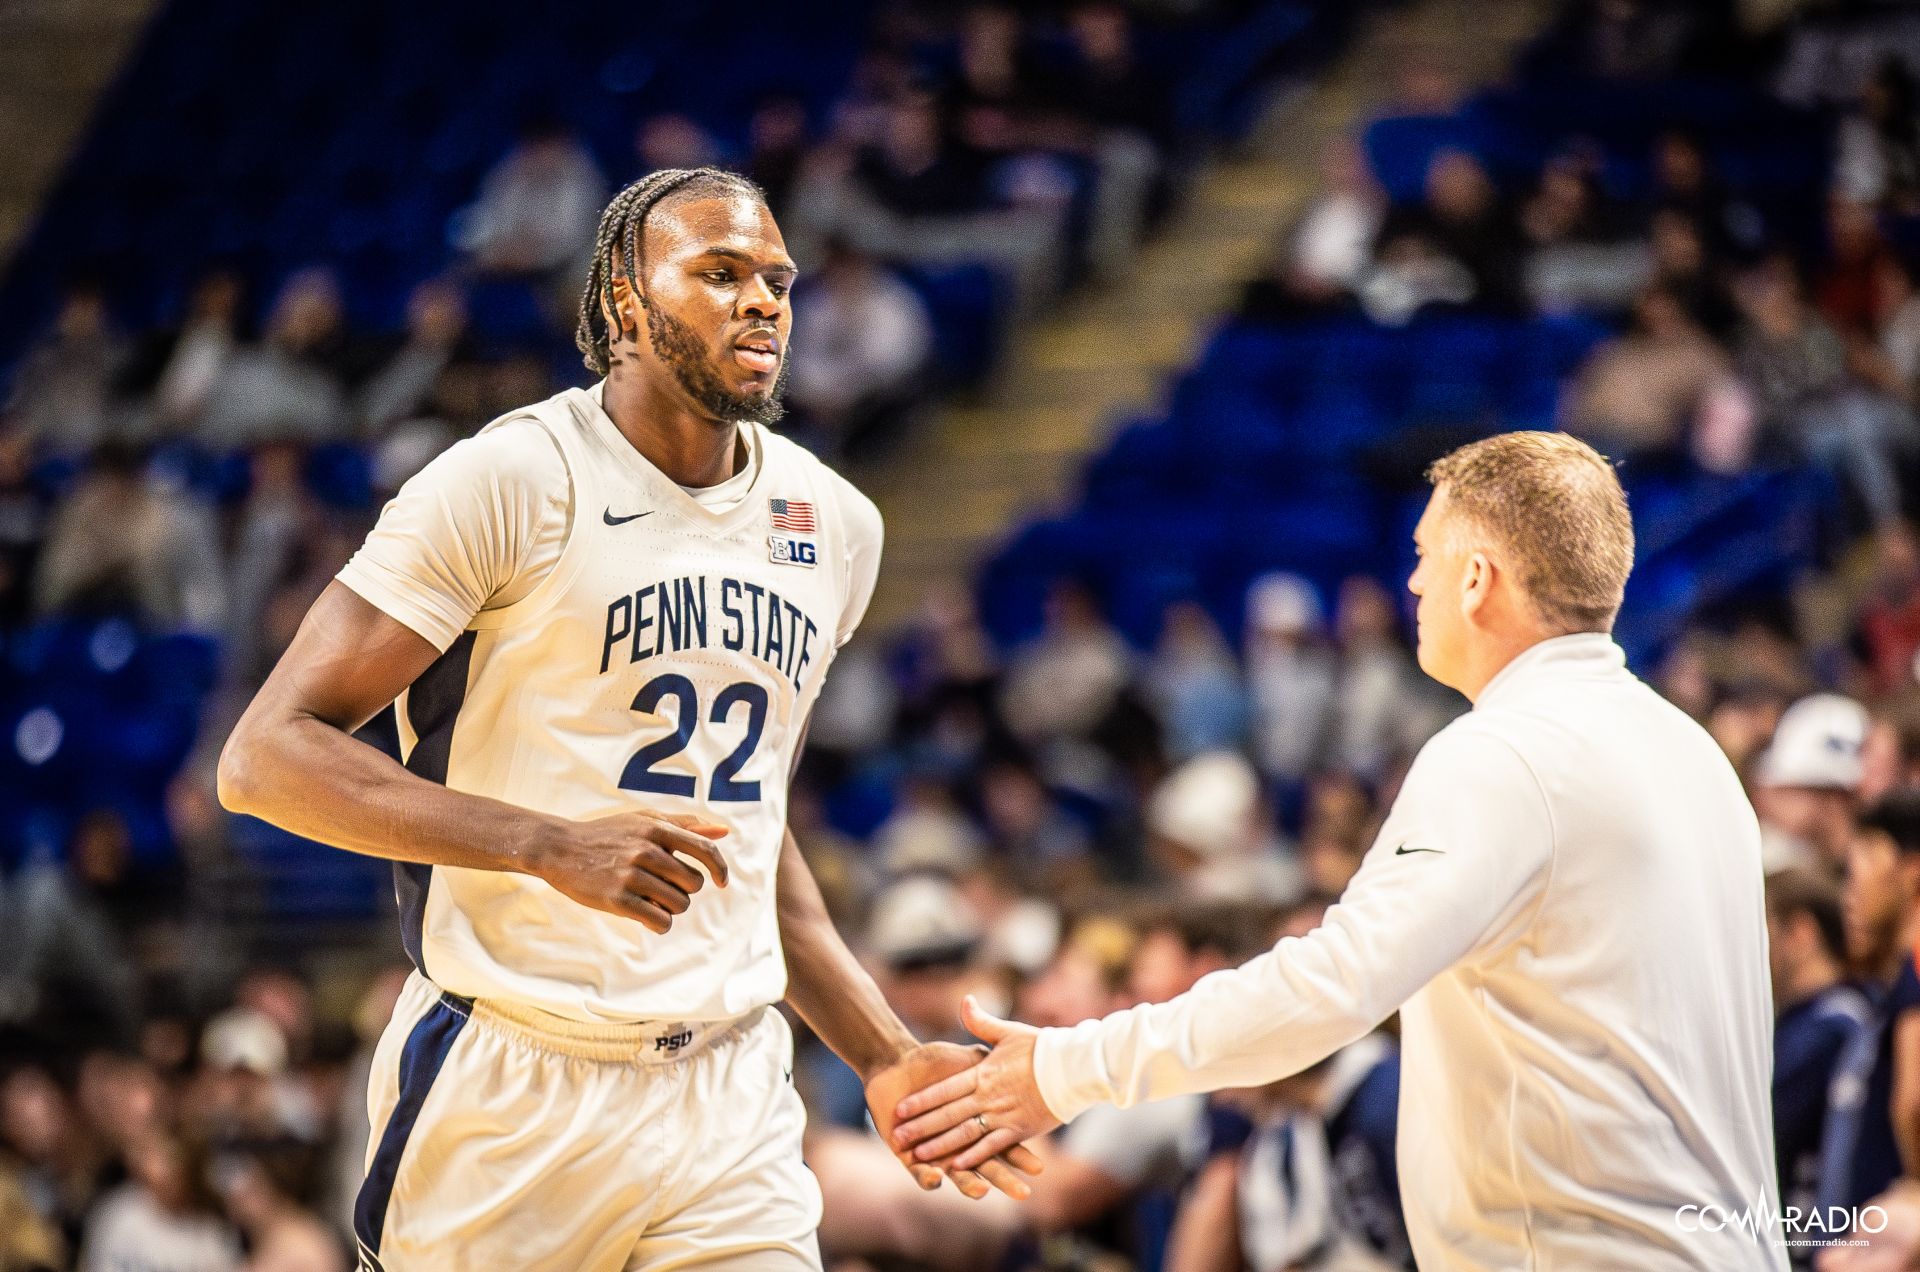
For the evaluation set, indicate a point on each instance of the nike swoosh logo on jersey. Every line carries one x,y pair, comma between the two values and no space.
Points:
1403,850
612,520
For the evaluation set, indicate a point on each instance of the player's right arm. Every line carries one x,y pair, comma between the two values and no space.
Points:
456,540
293,760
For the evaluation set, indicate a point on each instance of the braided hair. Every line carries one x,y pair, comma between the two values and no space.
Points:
617,246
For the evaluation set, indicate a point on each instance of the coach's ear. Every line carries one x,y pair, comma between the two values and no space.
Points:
1476,583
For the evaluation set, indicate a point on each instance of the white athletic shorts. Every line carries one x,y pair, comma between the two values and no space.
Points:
509,1138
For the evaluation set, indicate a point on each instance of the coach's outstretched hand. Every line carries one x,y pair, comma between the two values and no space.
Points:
926,1065
630,864
981,1112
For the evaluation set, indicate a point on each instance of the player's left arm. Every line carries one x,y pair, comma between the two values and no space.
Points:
840,1002
826,984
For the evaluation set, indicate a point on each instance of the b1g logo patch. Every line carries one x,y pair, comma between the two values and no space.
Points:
787,550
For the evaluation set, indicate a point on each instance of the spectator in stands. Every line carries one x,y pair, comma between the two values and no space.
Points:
1846,283
861,363
1797,369
28,1243
1567,204
1644,393
537,208
180,366
1121,113
1686,180
1301,1172
62,391
291,384
262,1200
1098,1167
120,1098
1808,777
403,386
1029,832
927,831
674,140
1194,685
244,1094
914,169
1085,976
1875,1101
994,90
1314,1183
1379,694
1683,265
121,544
1890,360
1890,761
918,194
164,1219
1576,254
277,522
855,712
1064,682
777,147
926,940
1621,39
1462,223
1329,249
882,75
25,508
1211,834
1820,1018
1877,160
1105,79
67,965
1329,858
56,1160
943,652
1890,1245
1019,931
1291,677
1887,622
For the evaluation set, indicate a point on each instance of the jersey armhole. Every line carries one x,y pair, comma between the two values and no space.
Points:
536,602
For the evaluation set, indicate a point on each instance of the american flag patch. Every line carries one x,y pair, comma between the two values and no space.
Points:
795,516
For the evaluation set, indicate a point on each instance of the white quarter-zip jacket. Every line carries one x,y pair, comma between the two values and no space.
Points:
1565,904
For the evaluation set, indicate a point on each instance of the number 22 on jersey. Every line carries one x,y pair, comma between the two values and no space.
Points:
640,774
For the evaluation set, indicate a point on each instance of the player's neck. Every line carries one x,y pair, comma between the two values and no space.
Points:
692,449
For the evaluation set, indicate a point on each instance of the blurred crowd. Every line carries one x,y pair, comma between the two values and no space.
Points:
1061,828
1743,341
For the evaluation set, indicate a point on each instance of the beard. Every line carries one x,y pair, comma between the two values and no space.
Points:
686,355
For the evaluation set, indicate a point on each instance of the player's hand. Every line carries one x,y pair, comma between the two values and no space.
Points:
630,864
926,1064
980,1112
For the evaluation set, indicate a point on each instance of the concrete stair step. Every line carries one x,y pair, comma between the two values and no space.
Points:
56,57
957,487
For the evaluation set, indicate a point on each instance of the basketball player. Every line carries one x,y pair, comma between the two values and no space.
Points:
604,619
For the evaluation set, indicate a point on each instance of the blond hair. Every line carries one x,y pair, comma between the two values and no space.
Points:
1555,510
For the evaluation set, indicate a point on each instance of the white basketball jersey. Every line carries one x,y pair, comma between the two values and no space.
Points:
668,661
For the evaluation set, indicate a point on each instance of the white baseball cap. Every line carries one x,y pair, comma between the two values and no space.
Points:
1817,744
1207,804
920,920
242,1038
